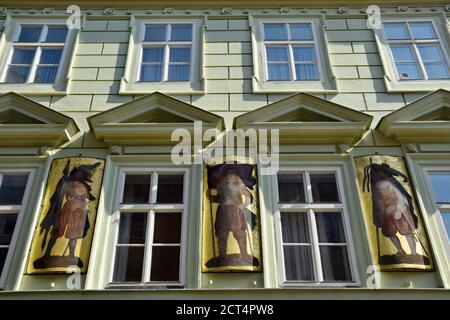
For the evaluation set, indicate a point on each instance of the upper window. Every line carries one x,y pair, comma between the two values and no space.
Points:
149,246
312,228
166,58
416,50
440,182
290,52
291,56
414,53
13,187
37,54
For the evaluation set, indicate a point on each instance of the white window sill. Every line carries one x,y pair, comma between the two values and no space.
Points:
310,285
33,89
415,85
173,87
144,286
293,86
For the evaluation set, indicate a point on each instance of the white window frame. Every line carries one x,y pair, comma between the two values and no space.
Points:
131,84
326,82
7,44
391,77
312,228
438,207
150,209
19,209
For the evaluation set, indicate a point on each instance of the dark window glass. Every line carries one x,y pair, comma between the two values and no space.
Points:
167,227
330,227
335,264
132,228
170,188
298,263
3,253
7,225
324,188
12,188
294,227
291,188
129,264
137,188
165,264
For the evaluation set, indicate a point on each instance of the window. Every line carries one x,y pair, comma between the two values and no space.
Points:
416,50
166,52
312,228
38,54
440,182
414,53
13,190
166,58
290,52
291,55
149,246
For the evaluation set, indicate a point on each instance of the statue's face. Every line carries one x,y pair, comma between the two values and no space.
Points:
232,177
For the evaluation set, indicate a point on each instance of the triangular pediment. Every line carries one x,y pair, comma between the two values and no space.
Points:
303,118
150,120
424,120
24,122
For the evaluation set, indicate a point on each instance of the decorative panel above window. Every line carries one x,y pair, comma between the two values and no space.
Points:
36,56
164,55
291,55
414,53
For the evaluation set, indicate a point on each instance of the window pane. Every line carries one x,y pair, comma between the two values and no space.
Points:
155,54
403,53
181,32
165,264
179,72
335,265
330,227
23,56
29,34
151,73
422,30
274,31
291,188
408,71
56,35
45,74
182,54
431,52
440,182
437,70
306,72
396,31
277,53
301,31
3,253
12,188
137,188
279,71
167,227
132,228
294,226
304,53
324,187
51,56
155,32
129,264
446,218
17,74
170,188
298,263
7,224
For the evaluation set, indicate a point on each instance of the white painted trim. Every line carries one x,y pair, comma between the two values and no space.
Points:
17,227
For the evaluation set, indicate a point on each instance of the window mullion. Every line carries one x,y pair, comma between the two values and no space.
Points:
293,74
34,64
315,250
309,197
419,60
166,62
148,246
153,188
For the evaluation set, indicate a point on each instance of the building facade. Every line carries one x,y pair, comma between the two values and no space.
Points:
358,100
